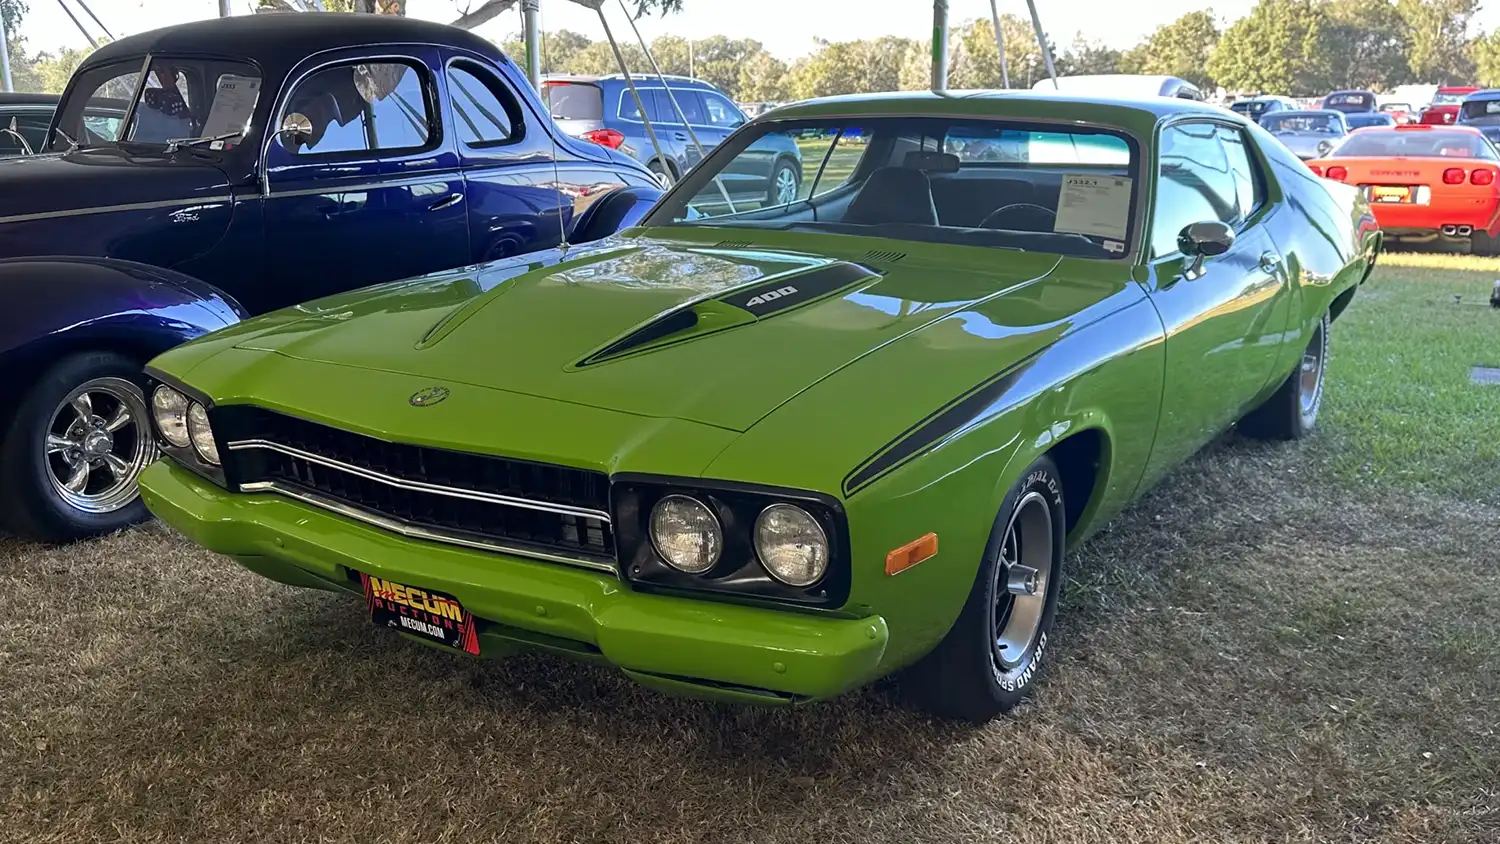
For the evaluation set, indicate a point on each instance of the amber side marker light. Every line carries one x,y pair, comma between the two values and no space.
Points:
911,553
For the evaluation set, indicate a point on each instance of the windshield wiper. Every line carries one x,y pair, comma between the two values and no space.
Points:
178,143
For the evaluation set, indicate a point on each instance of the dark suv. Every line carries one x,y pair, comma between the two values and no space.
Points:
601,109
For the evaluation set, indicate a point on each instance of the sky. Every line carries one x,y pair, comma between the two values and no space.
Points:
786,27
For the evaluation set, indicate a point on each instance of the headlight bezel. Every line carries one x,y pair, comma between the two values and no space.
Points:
186,456
739,575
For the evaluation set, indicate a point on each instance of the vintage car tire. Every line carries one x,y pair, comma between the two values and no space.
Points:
1292,411
1481,243
965,677
786,181
33,459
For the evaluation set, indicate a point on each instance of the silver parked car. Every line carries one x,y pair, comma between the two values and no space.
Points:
1308,134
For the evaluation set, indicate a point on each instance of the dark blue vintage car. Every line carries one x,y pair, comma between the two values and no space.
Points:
253,163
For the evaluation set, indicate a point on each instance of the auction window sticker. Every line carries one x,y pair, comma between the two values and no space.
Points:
1094,205
234,104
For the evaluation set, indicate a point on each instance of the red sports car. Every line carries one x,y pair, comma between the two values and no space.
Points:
1425,183
1444,108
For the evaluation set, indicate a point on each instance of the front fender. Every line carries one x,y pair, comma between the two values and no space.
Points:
53,306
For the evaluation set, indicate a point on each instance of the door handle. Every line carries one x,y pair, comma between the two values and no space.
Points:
1270,261
448,201
681,136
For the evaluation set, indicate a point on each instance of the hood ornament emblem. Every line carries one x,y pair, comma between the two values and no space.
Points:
428,397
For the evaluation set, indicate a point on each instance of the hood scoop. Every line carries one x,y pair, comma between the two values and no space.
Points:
739,306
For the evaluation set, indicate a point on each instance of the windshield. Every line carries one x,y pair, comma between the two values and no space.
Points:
1352,101
1323,124
1378,143
1251,107
1448,98
181,100
1064,190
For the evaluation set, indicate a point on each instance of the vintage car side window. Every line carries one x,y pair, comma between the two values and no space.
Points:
94,113
484,112
1194,183
1248,185
364,107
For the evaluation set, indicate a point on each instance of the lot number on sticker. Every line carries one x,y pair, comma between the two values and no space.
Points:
1094,205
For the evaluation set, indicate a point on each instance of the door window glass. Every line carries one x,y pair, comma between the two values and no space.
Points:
484,112
104,90
1247,183
721,112
363,108
1194,184
573,100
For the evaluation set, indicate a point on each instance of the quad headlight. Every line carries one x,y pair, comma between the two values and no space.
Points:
171,411
791,544
202,435
686,533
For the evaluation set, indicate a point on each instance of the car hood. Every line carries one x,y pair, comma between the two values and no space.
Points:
48,184
717,335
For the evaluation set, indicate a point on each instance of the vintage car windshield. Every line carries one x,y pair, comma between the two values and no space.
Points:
181,100
1414,144
1063,189
1324,124
1447,98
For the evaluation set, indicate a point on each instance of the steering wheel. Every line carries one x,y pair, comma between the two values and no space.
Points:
989,222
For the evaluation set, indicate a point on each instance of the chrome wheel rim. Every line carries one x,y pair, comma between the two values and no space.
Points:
786,186
97,444
1310,377
1022,581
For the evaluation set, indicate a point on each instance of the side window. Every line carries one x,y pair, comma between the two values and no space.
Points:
484,112
1194,183
364,108
660,106
721,112
33,127
692,106
1248,186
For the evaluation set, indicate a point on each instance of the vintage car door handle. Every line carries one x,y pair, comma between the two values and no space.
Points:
1270,261
448,201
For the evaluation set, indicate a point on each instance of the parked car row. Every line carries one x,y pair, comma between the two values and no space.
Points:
337,297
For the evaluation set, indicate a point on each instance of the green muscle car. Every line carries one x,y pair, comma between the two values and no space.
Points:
770,452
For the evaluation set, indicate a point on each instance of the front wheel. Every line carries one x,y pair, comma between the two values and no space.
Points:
786,181
990,658
78,441
1292,411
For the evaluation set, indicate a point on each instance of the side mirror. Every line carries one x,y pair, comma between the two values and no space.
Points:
1324,147
1204,240
296,128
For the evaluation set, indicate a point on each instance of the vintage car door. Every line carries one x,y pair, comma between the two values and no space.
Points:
515,194
1225,323
371,191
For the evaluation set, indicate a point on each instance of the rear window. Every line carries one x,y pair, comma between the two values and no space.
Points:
1253,108
1360,121
1349,101
1414,144
1480,108
573,100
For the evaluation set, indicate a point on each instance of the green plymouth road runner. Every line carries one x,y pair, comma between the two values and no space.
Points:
770,452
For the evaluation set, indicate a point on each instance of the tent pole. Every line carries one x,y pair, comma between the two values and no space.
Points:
1000,43
939,45
1041,41
634,94
529,10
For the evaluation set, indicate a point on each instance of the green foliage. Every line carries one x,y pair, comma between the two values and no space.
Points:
1437,30
54,71
1485,53
1278,48
976,60
763,79
1089,57
1366,43
12,11
1181,48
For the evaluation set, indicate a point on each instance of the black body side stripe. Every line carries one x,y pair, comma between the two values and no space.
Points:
924,434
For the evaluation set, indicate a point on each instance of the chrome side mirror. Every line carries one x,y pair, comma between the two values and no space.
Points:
1324,147
1204,240
296,128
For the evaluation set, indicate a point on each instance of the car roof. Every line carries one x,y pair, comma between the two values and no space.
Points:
1485,94
1308,112
29,99
1139,114
277,40
640,79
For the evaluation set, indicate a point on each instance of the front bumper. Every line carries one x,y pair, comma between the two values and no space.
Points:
682,645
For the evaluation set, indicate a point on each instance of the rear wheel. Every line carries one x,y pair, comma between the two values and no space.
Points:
990,658
78,441
1292,411
786,181
664,173
1483,243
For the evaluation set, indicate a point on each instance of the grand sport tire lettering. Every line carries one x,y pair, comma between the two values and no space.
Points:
772,295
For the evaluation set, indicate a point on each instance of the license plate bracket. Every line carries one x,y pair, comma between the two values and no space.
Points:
1390,193
430,616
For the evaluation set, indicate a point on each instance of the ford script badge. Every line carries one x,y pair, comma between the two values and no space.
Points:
428,397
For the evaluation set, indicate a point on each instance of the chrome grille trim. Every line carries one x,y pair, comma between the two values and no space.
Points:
419,486
412,531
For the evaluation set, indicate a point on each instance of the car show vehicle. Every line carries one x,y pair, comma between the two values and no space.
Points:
1350,102
1123,85
1308,134
1399,112
277,158
1444,107
770,453
1367,119
23,122
1255,108
603,110
1481,110
1426,184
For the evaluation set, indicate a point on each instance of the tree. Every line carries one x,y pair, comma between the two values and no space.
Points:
53,72
1366,44
1278,48
916,67
717,60
1437,31
1088,57
975,60
559,49
763,79
833,68
1181,48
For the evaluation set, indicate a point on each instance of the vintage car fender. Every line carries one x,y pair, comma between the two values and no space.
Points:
62,304
616,211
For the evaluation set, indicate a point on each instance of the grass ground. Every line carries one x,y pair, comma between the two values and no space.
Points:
1280,643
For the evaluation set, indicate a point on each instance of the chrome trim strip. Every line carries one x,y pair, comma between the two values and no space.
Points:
135,100
412,531
110,209
443,176
418,486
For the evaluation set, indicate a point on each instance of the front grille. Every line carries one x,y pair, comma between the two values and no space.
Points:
471,498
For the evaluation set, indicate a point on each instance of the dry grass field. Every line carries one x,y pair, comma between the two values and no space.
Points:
1278,644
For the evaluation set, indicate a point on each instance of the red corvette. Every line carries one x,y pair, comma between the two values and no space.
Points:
1425,183
1445,103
